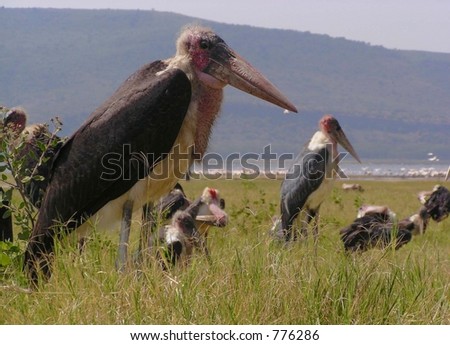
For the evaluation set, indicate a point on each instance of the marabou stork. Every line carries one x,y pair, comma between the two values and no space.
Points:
34,147
207,211
436,202
188,229
310,179
175,242
139,142
152,215
377,209
377,229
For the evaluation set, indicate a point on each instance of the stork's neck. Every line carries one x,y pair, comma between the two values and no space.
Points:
205,103
320,141
209,101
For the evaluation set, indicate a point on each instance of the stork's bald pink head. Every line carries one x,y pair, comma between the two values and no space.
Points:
331,128
211,212
217,65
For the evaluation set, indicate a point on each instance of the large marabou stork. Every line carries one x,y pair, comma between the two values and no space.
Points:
133,148
310,179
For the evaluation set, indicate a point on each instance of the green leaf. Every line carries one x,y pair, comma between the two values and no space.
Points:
24,235
38,178
5,260
26,179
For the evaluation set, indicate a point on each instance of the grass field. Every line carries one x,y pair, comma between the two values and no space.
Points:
252,279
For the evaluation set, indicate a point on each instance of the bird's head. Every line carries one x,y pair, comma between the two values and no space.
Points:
15,120
217,65
211,210
184,223
331,128
381,210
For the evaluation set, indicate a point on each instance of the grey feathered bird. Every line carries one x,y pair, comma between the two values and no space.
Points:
310,179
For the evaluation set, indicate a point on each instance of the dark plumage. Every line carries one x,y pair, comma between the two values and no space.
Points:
379,230
437,203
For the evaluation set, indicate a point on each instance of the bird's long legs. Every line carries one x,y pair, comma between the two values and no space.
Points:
148,223
124,236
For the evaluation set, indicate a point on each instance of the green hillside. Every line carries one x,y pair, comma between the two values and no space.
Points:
391,103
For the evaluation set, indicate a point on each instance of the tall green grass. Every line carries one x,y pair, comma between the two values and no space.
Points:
252,279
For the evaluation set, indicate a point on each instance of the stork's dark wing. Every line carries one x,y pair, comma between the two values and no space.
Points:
99,162
302,179
438,204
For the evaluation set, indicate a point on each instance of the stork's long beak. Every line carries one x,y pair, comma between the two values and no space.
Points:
213,216
174,198
228,67
340,137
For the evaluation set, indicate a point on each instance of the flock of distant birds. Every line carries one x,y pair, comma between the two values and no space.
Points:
171,105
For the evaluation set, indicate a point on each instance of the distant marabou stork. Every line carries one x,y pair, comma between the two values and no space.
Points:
310,179
178,240
374,229
35,146
181,237
436,202
133,148
207,211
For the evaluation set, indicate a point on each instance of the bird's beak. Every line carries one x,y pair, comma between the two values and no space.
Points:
213,216
228,67
173,199
340,137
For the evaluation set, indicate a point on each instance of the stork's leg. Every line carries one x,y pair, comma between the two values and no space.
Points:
6,224
204,245
314,215
124,235
146,230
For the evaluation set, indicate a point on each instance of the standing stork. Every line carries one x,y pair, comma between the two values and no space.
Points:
138,143
309,179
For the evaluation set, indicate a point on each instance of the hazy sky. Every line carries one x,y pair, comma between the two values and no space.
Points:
402,24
